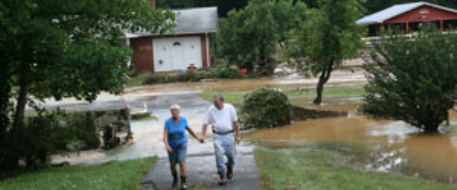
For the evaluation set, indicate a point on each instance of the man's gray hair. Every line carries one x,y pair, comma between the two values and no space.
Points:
175,107
219,96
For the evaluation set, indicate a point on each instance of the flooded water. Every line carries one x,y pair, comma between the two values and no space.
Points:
375,144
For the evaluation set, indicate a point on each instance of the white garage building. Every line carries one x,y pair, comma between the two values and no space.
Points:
186,46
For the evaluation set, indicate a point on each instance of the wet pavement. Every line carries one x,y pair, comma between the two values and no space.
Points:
202,174
148,134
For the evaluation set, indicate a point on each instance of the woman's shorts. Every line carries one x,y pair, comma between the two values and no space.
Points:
178,154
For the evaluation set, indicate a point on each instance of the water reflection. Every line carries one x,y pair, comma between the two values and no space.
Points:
374,144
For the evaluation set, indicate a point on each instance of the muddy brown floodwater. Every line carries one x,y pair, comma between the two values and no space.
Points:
374,144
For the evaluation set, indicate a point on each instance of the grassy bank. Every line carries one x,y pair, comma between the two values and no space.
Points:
318,169
237,97
117,175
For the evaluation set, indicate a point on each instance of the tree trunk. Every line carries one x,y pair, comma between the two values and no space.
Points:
22,98
323,79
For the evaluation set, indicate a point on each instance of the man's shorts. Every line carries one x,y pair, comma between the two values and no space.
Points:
178,154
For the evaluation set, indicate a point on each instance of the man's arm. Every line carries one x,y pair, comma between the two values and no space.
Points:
236,124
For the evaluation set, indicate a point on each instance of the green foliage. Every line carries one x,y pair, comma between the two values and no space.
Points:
329,35
221,72
41,136
223,6
249,37
116,175
266,108
74,48
413,79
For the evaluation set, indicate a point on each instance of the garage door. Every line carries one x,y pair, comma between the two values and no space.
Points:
171,54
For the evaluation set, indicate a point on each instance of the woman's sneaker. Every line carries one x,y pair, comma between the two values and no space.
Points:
175,181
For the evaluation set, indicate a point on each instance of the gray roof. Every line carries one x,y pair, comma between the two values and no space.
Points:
396,10
190,21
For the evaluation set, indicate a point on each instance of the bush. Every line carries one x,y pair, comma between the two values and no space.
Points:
40,137
53,132
220,72
266,108
226,72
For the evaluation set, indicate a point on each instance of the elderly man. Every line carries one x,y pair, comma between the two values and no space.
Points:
224,121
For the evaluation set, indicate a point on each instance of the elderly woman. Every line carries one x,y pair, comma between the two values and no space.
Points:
175,139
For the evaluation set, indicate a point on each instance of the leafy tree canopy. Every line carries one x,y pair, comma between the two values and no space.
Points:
328,35
72,48
224,6
413,80
249,37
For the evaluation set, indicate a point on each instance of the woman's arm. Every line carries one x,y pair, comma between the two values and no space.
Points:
165,141
193,134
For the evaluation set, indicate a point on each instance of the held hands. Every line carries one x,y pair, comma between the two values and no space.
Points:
201,140
169,149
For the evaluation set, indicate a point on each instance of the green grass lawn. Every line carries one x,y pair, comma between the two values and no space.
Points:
237,97
116,175
230,97
137,80
319,169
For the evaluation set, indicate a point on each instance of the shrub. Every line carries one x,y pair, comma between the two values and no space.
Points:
226,72
40,137
220,72
265,108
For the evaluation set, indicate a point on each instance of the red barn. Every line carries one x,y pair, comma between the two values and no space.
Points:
409,17
186,46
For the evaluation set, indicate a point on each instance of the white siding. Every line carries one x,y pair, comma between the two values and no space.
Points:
177,53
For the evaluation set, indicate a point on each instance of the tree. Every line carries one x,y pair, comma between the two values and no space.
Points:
74,48
249,37
413,80
224,6
329,35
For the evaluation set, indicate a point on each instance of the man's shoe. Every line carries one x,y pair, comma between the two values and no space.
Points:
229,172
222,181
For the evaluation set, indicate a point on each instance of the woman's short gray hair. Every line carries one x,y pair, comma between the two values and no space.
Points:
175,107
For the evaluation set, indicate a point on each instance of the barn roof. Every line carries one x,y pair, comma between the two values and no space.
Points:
190,21
396,10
